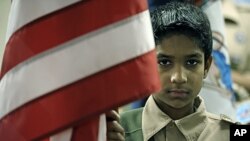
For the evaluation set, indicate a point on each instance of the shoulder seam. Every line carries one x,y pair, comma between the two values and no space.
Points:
213,116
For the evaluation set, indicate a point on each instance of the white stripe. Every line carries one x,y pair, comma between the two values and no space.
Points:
63,136
102,128
25,11
75,60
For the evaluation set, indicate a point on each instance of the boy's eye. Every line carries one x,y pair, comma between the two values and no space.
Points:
192,62
164,62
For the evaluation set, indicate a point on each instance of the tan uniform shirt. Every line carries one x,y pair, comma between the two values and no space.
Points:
199,126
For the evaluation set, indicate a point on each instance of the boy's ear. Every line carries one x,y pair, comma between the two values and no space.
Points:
207,66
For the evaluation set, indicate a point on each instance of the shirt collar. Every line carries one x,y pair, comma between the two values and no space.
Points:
153,120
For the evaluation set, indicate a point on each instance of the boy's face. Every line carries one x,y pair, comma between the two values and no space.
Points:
182,69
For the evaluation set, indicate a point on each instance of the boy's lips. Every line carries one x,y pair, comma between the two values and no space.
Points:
178,93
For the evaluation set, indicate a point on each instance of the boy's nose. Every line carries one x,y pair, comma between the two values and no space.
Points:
178,76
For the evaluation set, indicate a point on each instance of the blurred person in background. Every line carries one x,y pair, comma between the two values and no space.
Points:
237,14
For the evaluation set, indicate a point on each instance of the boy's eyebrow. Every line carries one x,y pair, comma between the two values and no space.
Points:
159,55
195,55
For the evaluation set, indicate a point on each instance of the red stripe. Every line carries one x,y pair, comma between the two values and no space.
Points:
88,130
64,25
82,100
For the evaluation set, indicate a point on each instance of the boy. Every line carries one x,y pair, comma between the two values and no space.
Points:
176,113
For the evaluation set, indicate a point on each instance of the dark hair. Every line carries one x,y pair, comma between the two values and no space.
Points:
155,3
182,18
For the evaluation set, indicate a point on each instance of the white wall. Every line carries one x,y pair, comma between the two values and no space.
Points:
4,13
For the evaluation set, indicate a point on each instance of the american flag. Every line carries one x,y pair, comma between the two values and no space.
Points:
68,61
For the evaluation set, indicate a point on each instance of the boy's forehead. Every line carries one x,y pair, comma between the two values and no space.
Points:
181,53
178,44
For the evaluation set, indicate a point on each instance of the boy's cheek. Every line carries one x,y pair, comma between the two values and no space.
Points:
164,80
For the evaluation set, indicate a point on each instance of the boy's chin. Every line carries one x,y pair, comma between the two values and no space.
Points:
177,105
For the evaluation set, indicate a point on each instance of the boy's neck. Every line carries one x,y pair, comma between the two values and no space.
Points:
176,114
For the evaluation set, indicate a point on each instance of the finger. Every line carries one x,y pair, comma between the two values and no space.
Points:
113,115
115,136
114,126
